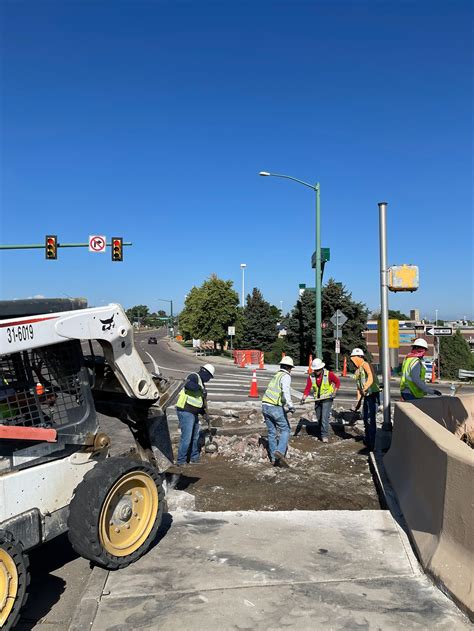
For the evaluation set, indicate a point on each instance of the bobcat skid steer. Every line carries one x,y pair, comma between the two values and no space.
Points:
55,471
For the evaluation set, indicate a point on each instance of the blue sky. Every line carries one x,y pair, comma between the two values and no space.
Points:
151,120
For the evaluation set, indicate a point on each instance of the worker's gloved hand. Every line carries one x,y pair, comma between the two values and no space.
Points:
437,393
303,399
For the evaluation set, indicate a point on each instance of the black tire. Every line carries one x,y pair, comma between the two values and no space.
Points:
101,507
11,553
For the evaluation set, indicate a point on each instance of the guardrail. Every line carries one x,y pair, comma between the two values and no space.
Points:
466,374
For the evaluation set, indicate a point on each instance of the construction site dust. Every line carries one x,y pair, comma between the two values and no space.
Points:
235,472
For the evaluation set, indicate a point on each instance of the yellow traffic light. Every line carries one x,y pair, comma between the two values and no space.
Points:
51,246
117,249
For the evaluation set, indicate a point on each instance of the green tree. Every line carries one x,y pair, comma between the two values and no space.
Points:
138,313
301,329
188,316
209,310
260,320
454,354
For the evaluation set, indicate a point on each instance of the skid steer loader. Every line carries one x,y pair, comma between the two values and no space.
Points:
55,471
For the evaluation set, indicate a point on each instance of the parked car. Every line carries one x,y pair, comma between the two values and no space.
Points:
152,340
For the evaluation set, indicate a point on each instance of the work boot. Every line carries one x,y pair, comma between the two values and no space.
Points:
280,460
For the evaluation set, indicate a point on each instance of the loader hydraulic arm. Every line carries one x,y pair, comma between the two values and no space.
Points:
108,325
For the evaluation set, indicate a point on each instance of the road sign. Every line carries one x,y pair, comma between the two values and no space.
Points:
339,319
439,331
97,243
337,333
338,347
231,330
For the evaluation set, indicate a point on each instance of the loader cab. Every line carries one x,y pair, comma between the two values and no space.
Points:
42,388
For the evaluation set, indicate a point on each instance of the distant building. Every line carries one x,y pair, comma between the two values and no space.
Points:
415,315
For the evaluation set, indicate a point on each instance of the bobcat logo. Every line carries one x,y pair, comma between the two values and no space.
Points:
108,324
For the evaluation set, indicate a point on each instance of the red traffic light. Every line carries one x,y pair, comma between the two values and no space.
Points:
51,247
117,249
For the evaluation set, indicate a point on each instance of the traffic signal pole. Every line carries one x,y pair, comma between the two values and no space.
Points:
41,246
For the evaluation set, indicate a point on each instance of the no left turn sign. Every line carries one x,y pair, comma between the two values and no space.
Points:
97,243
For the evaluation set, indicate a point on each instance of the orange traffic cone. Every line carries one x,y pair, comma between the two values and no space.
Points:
261,364
344,368
433,372
253,394
39,389
310,370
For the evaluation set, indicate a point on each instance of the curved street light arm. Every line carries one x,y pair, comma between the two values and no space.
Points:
289,177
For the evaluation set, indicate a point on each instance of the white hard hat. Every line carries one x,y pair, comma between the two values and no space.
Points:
287,361
420,342
317,364
357,352
210,369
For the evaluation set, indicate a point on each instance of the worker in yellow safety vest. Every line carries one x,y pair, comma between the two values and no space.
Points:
192,401
276,402
412,382
324,385
367,388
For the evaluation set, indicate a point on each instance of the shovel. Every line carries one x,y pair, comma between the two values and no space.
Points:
210,447
352,416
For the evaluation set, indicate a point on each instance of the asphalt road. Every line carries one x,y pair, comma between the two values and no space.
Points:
58,575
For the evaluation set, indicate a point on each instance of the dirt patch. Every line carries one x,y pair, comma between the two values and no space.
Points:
321,476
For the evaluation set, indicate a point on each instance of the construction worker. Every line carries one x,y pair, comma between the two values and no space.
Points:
192,401
412,383
324,384
367,388
276,397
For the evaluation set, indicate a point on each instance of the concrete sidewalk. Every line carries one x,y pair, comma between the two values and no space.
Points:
270,570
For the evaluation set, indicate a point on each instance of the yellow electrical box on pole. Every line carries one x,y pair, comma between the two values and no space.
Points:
393,334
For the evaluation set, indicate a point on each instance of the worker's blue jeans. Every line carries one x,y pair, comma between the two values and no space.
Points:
323,411
278,429
369,415
408,396
189,426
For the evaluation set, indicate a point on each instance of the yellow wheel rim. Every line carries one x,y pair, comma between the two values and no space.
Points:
128,513
8,585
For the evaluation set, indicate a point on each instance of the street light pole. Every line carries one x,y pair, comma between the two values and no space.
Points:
317,289
243,266
171,310
319,336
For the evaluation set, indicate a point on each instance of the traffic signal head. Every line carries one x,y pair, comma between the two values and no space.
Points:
117,249
51,246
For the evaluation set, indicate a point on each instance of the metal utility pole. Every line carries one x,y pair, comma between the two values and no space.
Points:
242,267
384,352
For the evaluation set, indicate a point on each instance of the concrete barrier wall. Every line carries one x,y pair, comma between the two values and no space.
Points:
456,414
432,473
